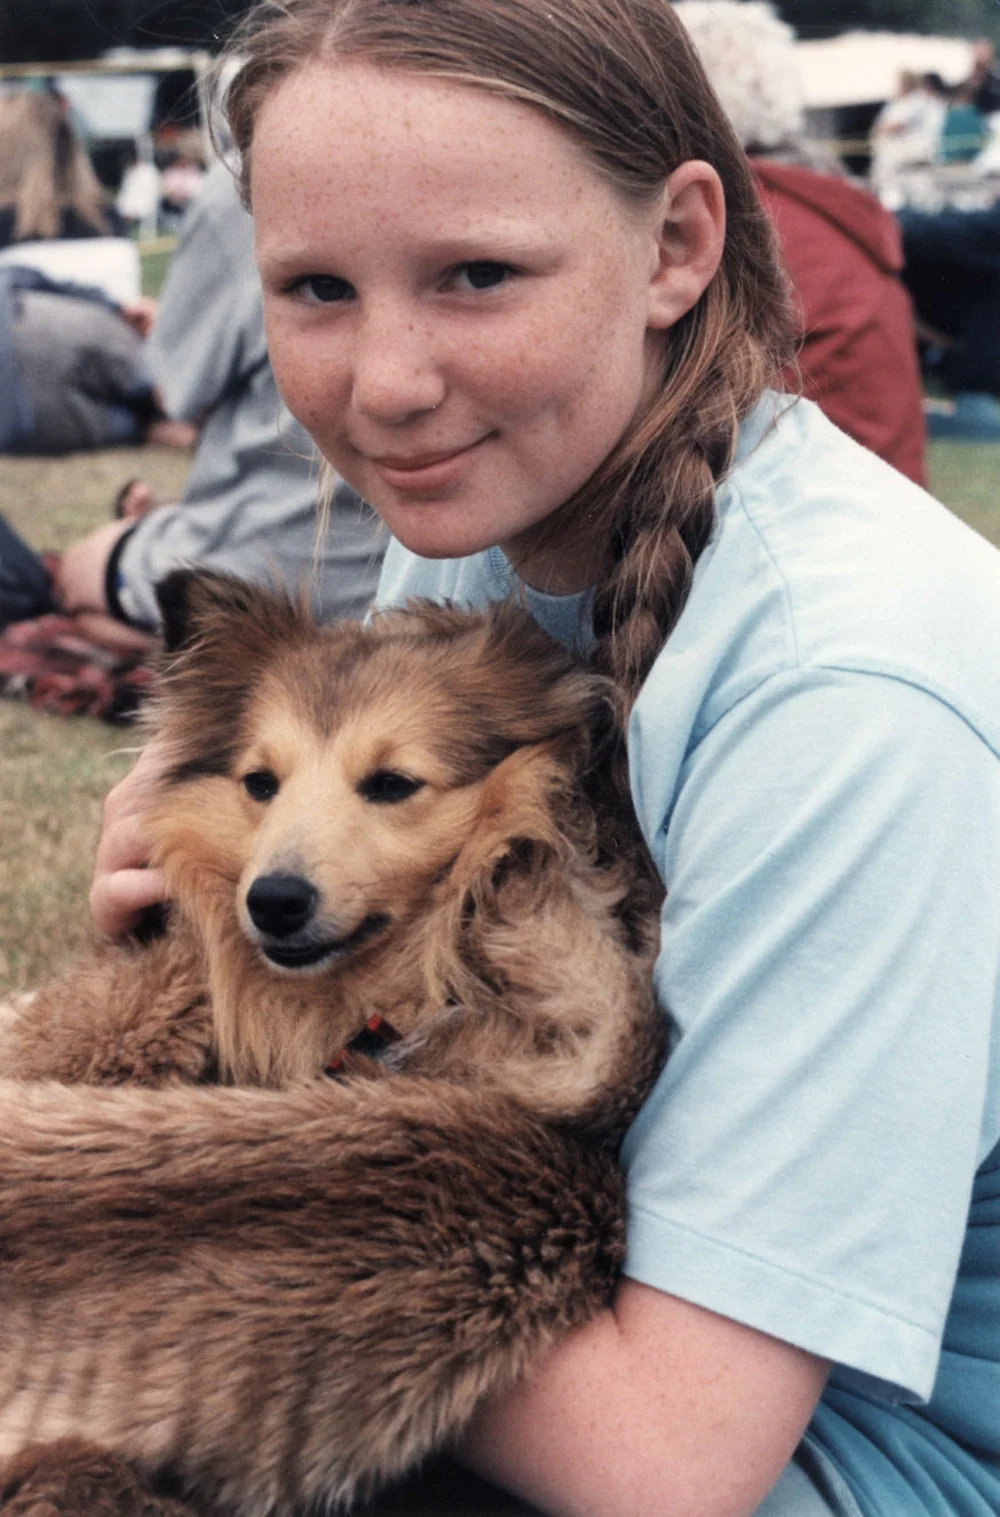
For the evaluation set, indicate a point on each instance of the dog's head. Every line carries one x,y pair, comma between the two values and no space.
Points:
322,779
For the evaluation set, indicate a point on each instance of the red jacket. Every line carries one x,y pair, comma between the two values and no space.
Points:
858,360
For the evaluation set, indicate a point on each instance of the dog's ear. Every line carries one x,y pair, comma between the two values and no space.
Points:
537,690
220,634
191,600
173,599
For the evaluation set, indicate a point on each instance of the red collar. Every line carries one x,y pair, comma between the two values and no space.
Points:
370,1043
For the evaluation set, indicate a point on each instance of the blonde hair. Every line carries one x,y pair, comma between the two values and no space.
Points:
622,78
44,171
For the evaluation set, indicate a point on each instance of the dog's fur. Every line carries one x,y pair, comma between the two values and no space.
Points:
271,1297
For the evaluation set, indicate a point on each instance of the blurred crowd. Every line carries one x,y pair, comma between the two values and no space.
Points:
898,276
929,123
896,292
161,182
936,165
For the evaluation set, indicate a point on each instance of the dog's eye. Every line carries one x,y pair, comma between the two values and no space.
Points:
260,785
385,787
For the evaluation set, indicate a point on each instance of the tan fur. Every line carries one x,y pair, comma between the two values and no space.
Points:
294,1294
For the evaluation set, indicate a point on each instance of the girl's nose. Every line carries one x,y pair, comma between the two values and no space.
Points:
395,376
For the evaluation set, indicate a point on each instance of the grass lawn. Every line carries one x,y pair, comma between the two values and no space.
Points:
966,476
55,772
155,263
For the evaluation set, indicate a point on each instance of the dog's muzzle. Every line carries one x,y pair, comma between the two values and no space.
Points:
283,909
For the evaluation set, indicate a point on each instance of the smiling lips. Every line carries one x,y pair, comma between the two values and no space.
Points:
424,471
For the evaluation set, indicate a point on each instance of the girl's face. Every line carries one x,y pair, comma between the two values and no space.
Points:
459,309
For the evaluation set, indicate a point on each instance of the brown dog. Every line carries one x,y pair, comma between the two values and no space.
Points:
396,838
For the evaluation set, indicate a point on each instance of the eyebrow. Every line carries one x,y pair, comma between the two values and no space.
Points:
500,242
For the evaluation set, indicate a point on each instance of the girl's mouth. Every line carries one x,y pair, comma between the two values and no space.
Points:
422,472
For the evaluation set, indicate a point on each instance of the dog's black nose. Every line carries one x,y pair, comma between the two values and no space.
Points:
280,904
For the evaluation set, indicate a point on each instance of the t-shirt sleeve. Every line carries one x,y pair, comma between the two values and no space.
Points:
830,952
209,327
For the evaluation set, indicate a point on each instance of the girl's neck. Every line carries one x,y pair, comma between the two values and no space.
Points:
556,562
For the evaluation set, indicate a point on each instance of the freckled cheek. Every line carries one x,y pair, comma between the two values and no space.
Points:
537,370
579,398
584,351
310,379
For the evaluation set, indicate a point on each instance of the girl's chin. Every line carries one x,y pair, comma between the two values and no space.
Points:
435,544
436,528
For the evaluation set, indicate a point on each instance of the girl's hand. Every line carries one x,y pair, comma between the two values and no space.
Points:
124,886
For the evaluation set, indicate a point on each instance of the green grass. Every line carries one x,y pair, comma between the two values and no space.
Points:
966,476
52,501
154,270
54,772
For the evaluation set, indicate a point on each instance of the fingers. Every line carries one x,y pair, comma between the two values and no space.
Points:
118,900
118,637
123,885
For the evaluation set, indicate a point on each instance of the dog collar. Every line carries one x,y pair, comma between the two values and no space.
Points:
370,1043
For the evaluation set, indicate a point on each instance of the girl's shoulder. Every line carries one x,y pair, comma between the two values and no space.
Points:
824,558
875,573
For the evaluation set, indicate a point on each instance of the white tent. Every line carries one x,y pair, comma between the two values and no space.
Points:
112,97
863,68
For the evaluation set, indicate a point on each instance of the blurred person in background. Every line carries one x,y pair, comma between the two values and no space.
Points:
964,130
48,188
984,80
180,180
842,251
250,503
907,130
952,265
73,372
953,273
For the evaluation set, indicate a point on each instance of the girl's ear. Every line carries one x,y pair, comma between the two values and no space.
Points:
690,235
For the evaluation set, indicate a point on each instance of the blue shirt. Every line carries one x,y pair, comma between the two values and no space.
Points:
814,762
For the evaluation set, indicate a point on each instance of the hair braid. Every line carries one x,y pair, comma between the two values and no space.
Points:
663,503
665,517
655,496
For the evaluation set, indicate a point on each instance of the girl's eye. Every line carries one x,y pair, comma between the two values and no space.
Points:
386,787
321,289
261,785
484,274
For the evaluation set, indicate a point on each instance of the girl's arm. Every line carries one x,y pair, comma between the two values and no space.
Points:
654,1407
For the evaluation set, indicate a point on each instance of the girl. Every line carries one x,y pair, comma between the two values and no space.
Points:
518,287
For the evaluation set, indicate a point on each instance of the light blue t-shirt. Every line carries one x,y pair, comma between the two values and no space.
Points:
815,762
